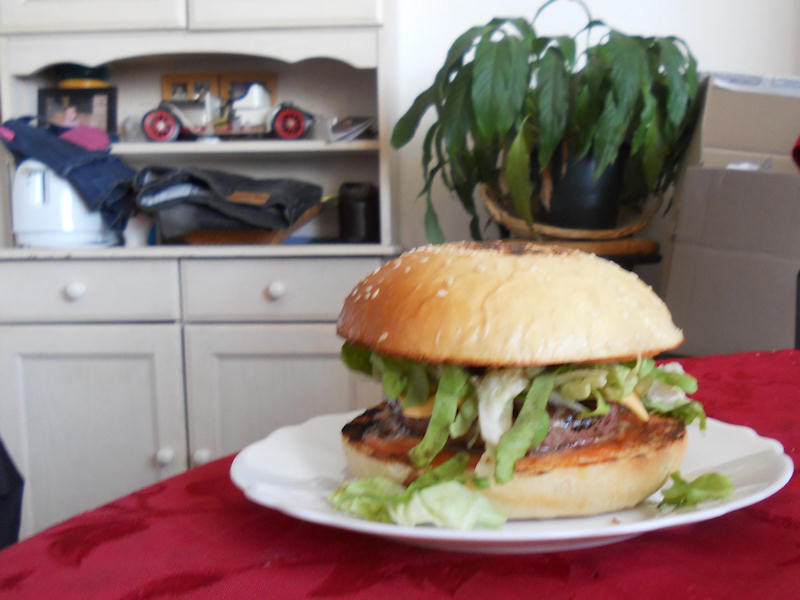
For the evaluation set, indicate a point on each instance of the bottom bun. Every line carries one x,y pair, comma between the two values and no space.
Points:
612,475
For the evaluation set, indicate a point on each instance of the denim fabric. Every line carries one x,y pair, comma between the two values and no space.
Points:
10,499
103,181
186,200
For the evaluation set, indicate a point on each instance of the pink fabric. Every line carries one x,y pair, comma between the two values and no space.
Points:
90,138
195,536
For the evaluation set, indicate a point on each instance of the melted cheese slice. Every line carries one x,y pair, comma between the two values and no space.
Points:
424,410
634,404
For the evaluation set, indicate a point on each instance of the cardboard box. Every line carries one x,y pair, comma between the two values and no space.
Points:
733,269
730,274
747,122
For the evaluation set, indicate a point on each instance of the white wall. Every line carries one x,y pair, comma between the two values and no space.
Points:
744,36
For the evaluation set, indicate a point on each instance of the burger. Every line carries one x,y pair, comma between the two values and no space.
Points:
531,364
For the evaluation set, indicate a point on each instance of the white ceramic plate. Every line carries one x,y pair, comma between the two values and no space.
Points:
295,468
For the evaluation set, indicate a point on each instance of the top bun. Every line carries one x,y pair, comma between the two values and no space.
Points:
506,303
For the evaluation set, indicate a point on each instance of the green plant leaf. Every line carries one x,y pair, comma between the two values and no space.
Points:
456,112
406,126
517,174
433,230
609,135
567,46
460,47
673,63
583,121
628,69
553,102
653,154
647,118
525,30
500,80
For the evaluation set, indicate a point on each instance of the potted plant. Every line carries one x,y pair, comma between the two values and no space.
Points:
516,112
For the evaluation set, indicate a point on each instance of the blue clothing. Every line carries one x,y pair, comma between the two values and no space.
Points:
10,499
184,200
103,181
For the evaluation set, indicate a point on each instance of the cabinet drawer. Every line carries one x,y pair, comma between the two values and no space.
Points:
213,14
90,15
269,289
87,290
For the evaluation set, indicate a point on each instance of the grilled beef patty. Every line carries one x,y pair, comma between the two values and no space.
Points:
385,426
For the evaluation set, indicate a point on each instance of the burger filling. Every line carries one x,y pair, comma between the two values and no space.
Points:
511,412
439,416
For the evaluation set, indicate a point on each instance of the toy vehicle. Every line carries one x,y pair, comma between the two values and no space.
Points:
247,115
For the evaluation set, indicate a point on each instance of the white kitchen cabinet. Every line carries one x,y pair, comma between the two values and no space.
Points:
213,14
90,412
19,16
126,366
245,380
117,361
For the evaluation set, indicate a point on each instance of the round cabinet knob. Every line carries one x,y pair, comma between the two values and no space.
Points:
75,290
201,456
165,456
276,290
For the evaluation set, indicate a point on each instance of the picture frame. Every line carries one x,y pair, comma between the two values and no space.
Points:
188,86
71,107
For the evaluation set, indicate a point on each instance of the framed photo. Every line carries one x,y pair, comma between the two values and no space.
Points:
92,107
188,86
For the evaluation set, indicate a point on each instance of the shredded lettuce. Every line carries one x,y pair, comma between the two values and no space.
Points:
357,358
666,394
490,399
448,504
709,486
439,497
453,384
368,498
496,391
467,415
529,429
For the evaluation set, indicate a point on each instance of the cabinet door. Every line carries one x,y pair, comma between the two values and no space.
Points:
90,15
244,381
213,14
90,413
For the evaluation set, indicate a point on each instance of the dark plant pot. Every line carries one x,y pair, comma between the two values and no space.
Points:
578,201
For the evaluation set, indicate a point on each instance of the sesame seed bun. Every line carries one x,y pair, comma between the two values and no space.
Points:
506,304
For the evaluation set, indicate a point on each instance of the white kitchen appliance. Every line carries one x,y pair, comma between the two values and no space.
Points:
47,212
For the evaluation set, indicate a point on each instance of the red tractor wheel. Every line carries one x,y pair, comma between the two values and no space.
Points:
289,124
160,125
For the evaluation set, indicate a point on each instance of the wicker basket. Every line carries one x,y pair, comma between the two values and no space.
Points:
628,223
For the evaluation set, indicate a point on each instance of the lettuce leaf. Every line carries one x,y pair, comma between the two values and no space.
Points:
528,430
447,504
439,497
368,498
453,383
709,486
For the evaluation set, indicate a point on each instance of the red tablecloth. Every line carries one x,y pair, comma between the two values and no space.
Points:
196,536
